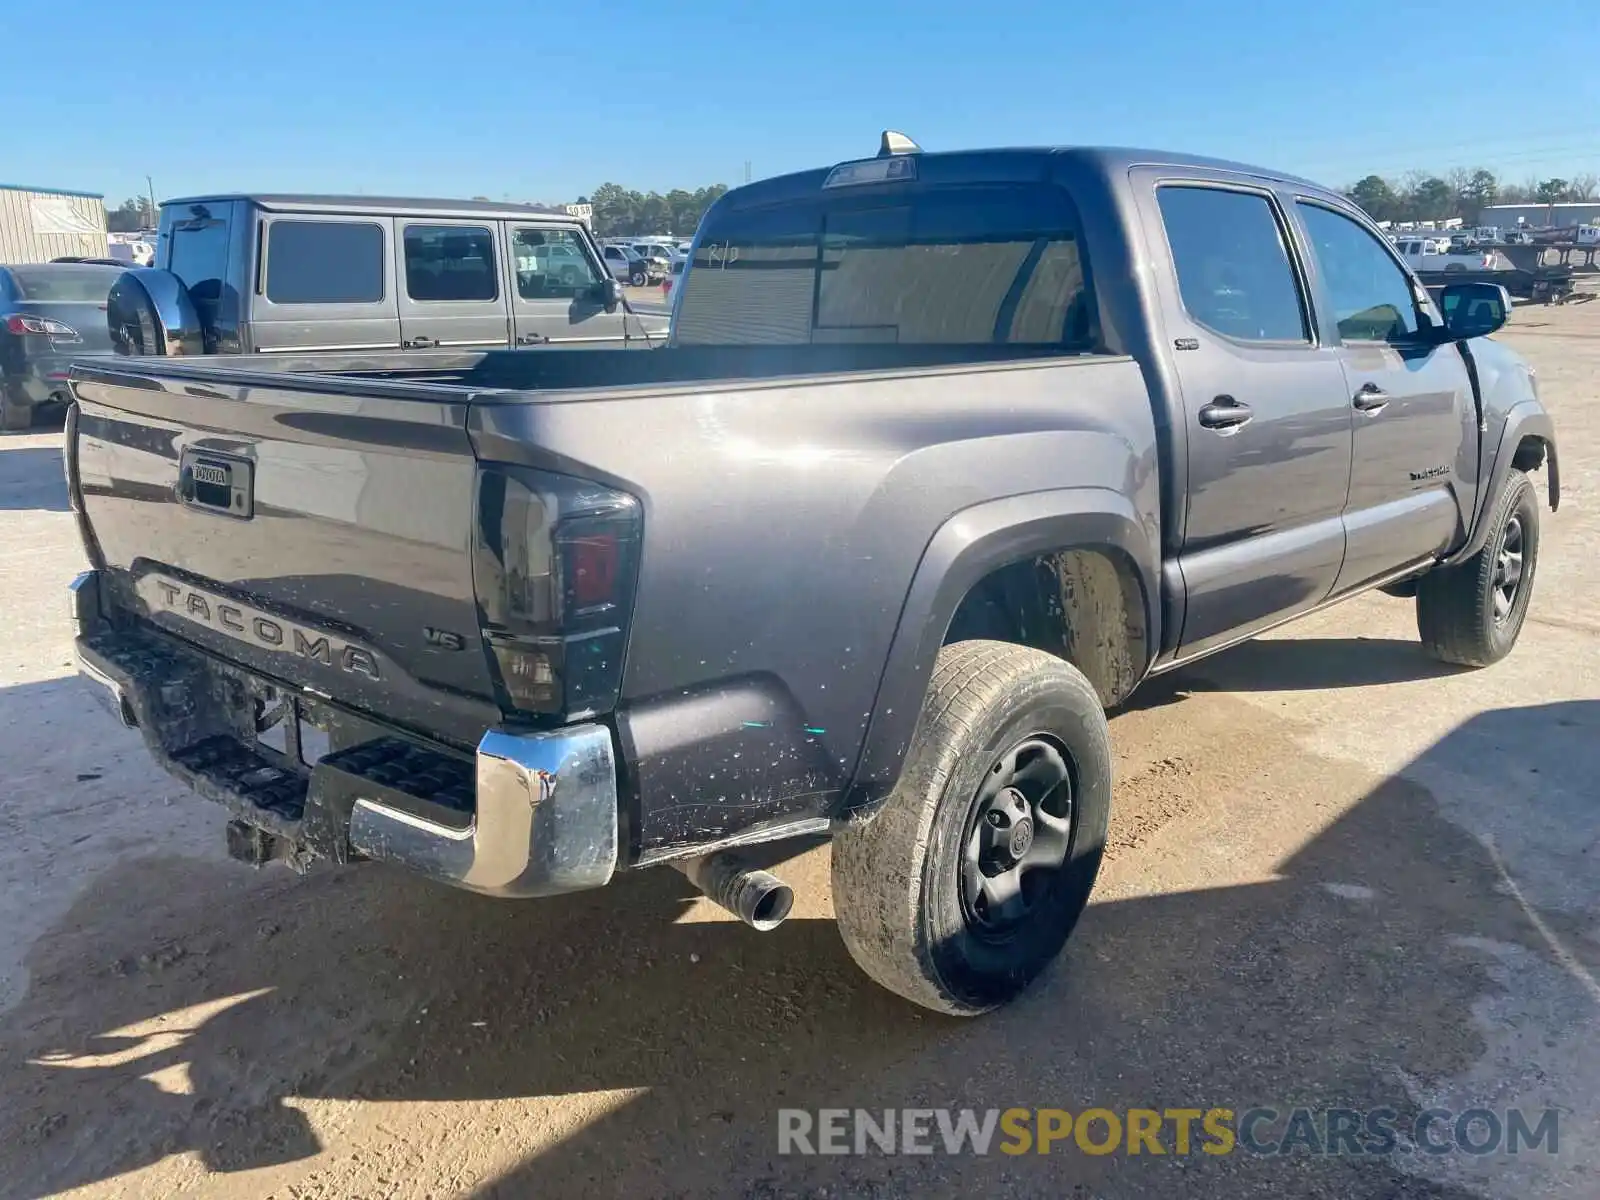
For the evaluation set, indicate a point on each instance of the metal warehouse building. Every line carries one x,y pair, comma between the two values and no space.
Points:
1539,216
38,224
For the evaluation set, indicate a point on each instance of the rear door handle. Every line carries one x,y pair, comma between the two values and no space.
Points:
420,343
1371,398
1225,413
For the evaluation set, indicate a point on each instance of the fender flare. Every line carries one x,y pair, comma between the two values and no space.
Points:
967,547
1525,419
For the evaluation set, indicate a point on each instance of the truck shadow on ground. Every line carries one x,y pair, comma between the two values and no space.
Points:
1302,664
31,477
189,1007
1286,664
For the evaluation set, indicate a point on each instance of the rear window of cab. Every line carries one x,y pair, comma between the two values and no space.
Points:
989,265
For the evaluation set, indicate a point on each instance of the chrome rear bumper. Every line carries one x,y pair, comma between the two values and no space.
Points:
533,813
545,821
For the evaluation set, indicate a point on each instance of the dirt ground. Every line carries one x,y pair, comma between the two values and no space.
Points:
1340,875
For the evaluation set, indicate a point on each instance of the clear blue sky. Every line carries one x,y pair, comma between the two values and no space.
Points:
547,100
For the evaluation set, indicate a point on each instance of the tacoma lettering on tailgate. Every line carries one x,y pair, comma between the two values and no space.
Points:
251,625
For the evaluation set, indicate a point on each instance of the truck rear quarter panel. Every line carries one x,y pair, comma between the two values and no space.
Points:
783,525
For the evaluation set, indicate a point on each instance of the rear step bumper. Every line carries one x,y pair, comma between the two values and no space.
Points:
530,814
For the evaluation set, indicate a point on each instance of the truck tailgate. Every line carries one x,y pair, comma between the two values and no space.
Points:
317,538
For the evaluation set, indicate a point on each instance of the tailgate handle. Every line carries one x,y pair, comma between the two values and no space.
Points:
217,483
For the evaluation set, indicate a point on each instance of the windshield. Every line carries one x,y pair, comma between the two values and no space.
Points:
65,283
965,266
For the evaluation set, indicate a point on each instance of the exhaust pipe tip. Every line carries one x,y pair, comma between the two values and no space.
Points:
771,903
758,898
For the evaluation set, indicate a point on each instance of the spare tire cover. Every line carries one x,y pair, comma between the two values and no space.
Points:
150,312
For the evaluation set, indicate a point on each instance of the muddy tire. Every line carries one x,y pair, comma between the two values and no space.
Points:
966,883
1471,614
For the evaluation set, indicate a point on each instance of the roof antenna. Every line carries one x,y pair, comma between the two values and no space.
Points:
893,143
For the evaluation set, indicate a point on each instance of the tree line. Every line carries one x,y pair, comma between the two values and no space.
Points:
131,216
619,212
1419,196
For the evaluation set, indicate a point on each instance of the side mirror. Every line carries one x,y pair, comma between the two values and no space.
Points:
1473,309
611,294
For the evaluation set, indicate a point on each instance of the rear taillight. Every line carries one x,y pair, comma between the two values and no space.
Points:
555,563
42,326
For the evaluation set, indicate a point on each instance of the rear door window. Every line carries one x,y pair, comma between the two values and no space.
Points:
324,262
1233,266
450,286
450,262
955,266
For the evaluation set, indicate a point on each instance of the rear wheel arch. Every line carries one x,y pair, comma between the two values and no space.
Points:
1084,604
1096,548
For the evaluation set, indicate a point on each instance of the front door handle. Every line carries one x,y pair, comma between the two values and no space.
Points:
420,343
1371,398
1225,413
531,339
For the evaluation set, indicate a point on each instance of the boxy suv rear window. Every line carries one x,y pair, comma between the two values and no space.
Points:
955,266
324,262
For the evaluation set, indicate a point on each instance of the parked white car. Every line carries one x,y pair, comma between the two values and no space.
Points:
1434,254
625,264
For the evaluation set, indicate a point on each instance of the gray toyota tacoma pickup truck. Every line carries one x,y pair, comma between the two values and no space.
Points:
948,454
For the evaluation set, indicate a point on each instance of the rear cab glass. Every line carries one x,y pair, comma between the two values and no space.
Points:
990,264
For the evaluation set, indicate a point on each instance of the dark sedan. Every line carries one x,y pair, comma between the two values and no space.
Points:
50,314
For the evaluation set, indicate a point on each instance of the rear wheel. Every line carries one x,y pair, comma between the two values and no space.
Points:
1471,614
967,882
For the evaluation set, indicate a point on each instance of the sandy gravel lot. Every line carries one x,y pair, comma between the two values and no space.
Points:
1341,875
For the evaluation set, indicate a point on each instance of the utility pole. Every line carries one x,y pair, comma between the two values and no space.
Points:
152,188
747,170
